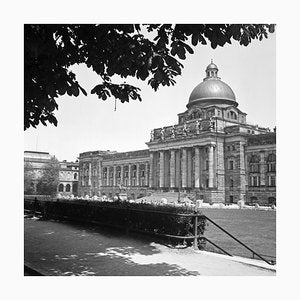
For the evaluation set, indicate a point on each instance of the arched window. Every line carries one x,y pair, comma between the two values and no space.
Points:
104,172
61,188
233,115
75,176
254,163
253,199
68,188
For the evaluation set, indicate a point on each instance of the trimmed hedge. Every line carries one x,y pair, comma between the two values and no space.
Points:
155,219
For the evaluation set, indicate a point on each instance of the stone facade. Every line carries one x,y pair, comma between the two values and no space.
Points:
208,154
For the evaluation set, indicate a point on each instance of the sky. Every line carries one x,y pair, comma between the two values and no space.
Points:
88,123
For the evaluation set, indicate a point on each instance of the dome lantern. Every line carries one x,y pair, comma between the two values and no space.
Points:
211,71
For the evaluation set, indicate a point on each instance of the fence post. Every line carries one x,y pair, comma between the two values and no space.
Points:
196,229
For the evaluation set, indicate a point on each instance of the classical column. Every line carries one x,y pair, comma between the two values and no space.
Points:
172,169
115,176
184,168
100,173
122,176
161,168
189,167
146,175
177,168
262,170
129,175
107,176
211,165
137,174
90,174
151,173
197,168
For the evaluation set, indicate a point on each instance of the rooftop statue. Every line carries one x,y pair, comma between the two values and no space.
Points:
185,129
162,134
173,132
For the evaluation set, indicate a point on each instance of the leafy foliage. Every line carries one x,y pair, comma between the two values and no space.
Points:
47,184
28,179
146,52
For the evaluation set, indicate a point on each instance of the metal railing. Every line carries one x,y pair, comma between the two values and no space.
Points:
254,253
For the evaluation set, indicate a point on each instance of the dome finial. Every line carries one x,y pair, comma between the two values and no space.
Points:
211,61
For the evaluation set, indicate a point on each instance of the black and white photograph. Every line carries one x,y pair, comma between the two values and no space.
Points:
150,150
145,152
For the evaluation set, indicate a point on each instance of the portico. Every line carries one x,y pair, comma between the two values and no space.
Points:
183,167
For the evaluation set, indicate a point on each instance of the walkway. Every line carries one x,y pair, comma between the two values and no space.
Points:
61,248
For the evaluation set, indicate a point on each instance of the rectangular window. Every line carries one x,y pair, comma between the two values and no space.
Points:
230,165
272,180
254,181
206,165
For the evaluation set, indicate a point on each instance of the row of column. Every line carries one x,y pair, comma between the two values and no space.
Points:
129,178
177,172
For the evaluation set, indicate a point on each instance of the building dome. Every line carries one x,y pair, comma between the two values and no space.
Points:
212,89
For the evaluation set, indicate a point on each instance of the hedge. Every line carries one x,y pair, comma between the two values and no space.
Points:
155,219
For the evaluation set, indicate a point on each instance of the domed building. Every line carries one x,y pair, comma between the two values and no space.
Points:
210,154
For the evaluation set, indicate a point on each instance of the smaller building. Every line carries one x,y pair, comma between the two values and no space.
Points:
36,162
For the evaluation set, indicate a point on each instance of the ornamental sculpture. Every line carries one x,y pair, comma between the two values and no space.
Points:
152,136
173,132
162,134
185,129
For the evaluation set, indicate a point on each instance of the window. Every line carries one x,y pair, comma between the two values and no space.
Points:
254,164
75,176
271,163
231,183
61,188
68,188
271,181
233,115
143,173
206,165
207,183
231,199
253,199
255,181
230,165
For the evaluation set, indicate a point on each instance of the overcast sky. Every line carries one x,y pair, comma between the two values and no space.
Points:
88,123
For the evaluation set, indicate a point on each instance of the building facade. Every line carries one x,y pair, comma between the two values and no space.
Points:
36,163
212,153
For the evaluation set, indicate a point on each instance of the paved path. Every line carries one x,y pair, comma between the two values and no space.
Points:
61,248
